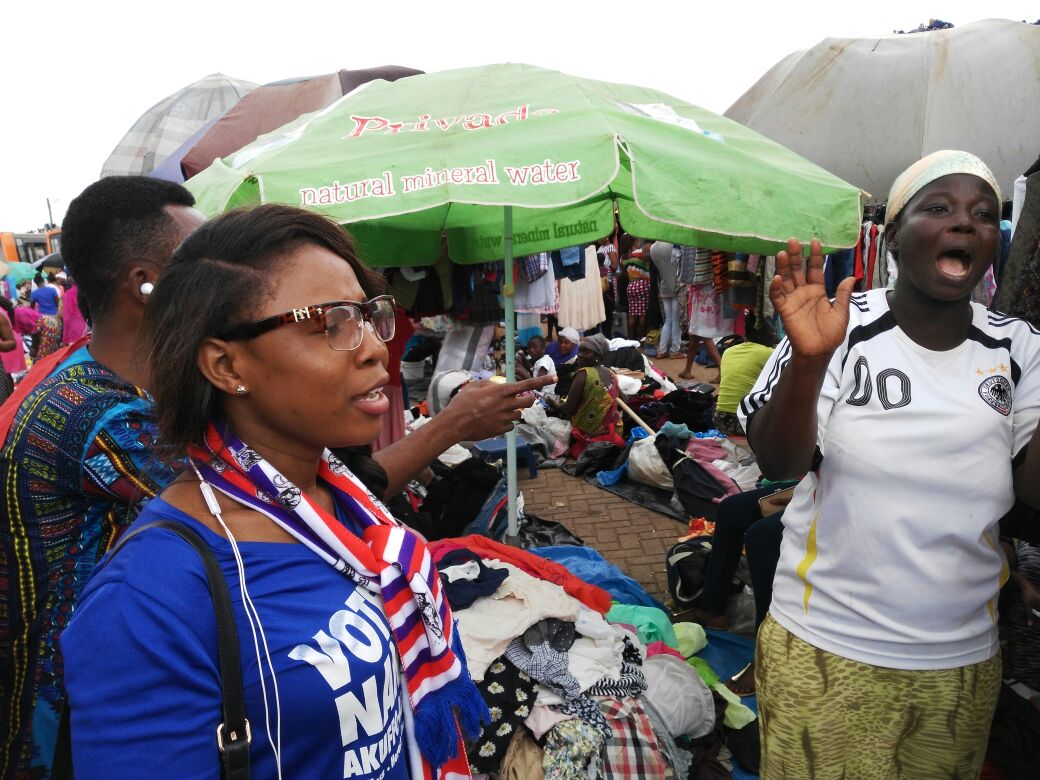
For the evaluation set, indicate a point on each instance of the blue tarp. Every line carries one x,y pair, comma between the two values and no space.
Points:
587,564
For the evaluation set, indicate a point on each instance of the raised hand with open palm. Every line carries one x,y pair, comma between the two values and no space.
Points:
815,326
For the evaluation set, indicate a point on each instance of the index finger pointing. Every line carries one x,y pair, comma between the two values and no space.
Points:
527,385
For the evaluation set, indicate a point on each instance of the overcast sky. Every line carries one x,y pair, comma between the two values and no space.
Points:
75,76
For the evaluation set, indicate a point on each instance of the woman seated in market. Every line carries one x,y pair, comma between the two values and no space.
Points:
267,343
565,349
592,401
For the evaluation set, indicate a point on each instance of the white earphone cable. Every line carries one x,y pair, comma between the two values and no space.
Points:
253,618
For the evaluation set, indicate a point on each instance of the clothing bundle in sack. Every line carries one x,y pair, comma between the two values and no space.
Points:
671,442
646,466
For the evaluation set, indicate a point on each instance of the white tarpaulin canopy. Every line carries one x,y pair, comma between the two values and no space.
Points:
866,108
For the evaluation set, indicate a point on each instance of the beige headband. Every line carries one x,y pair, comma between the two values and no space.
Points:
928,169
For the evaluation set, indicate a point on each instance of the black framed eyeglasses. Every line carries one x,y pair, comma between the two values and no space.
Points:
342,322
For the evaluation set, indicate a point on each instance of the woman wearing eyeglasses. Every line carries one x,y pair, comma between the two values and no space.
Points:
266,338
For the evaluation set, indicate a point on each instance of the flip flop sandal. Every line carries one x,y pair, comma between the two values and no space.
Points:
737,676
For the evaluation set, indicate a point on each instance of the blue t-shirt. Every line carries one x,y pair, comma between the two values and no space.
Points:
141,667
46,300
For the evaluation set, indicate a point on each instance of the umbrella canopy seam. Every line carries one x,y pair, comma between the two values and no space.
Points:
700,228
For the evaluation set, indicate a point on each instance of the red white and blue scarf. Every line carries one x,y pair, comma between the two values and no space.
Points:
389,560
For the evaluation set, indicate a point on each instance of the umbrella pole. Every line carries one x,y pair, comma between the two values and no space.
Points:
507,294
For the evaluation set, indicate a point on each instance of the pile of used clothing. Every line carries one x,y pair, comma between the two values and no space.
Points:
675,470
584,676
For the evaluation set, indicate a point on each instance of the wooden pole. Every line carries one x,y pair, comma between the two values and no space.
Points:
625,408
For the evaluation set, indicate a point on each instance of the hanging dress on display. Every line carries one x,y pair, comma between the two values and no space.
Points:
581,302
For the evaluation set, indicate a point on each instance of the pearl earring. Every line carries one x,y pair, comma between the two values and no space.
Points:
241,390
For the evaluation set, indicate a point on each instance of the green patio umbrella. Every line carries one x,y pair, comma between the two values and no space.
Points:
512,159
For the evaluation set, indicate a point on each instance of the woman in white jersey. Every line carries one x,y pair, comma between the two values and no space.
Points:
911,412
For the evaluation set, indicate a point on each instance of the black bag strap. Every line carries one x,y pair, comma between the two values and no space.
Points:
233,735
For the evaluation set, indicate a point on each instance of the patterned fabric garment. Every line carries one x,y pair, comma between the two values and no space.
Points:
569,748
509,694
549,667
532,267
683,297
823,716
50,335
631,653
636,268
703,266
719,264
598,408
585,709
683,259
77,460
546,665
707,318
632,751
728,423
630,683
638,296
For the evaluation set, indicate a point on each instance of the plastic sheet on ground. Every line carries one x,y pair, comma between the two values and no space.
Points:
654,499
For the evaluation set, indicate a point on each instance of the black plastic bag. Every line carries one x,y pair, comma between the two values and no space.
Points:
536,532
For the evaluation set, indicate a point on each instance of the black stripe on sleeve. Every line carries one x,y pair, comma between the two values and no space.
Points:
986,340
1002,321
859,300
756,400
862,333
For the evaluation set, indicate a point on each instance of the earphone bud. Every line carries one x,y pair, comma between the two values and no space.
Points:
146,288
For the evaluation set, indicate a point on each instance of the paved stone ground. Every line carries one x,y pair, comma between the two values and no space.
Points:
633,538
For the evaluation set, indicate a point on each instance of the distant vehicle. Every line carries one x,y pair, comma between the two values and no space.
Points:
29,247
